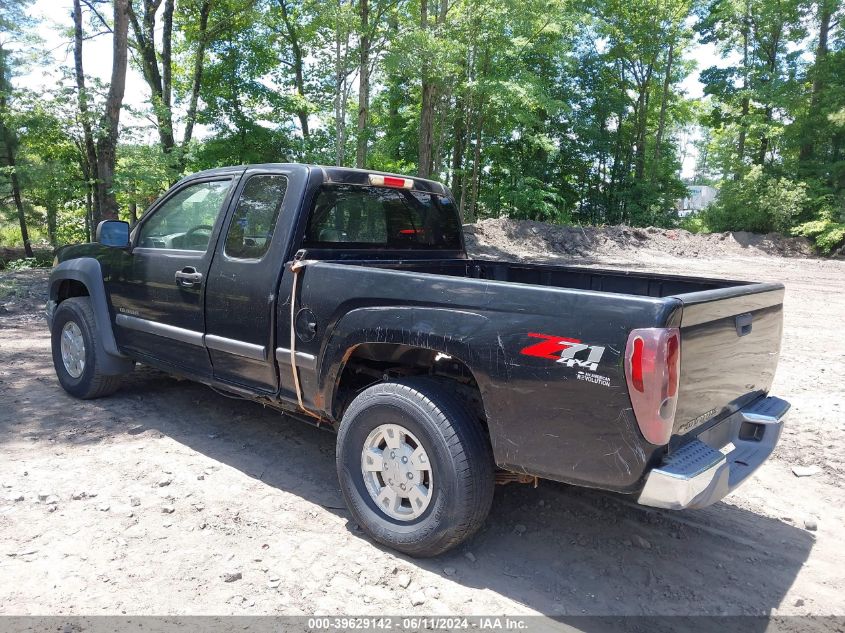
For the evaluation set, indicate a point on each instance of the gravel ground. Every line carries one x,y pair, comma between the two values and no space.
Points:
168,498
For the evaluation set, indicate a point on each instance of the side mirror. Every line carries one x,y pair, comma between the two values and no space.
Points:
114,233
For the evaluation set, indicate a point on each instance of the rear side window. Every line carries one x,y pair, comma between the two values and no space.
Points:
254,220
378,217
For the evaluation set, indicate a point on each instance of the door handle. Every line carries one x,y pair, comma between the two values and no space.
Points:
188,277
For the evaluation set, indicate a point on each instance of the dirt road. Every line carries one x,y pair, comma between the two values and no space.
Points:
168,498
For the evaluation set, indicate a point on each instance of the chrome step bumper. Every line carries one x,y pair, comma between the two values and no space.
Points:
709,467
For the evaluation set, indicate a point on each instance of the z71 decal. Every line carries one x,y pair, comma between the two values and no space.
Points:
569,351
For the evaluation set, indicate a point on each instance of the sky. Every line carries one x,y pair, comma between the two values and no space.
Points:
55,24
55,21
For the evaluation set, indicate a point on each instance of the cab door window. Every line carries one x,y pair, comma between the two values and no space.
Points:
254,220
186,219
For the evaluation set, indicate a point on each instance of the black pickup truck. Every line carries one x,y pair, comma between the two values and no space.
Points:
346,298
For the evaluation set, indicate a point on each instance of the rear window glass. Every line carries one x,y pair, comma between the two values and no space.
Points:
378,217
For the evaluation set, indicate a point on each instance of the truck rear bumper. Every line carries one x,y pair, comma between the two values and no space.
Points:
709,467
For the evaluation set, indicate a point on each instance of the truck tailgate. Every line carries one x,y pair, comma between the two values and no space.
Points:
730,343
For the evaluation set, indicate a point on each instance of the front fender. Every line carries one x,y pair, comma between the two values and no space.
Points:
87,271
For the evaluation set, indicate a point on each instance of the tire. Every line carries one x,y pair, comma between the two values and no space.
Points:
76,315
455,445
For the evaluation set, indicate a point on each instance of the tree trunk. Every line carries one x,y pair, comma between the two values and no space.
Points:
51,225
426,128
468,97
837,155
428,98
740,145
159,80
769,110
339,109
746,100
10,147
167,56
764,140
458,141
476,167
196,83
298,71
618,172
86,170
16,187
807,149
479,129
441,114
82,104
107,143
363,86
89,210
641,121
667,82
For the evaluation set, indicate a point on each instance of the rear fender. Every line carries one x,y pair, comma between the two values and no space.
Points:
411,326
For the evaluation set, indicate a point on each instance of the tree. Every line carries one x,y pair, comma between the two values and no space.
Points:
158,67
13,22
546,110
757,202
108,135
101,132
363,83
749,96
90,162
294,34
251,120
51,161
431,74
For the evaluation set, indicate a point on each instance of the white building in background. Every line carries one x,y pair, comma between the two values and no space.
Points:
700,196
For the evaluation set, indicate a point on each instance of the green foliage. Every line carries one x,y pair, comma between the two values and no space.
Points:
827,233
26,263
71,227
757,202
694,223
141,175
556,111
10,235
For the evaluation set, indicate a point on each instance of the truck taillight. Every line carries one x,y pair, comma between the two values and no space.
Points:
652,368
379,180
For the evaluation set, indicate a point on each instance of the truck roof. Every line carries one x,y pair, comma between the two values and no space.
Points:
331,174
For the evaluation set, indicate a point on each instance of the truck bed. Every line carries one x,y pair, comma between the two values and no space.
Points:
555,276
486,311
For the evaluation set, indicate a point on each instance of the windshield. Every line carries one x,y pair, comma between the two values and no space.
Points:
380,217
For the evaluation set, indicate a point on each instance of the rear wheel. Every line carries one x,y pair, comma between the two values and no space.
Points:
75,352
415,468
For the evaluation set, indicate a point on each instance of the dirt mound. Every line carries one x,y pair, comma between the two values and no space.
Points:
526,238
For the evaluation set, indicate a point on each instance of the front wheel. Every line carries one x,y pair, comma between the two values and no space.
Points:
75,357
415,468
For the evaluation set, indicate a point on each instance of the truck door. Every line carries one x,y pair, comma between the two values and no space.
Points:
158,293
243,282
